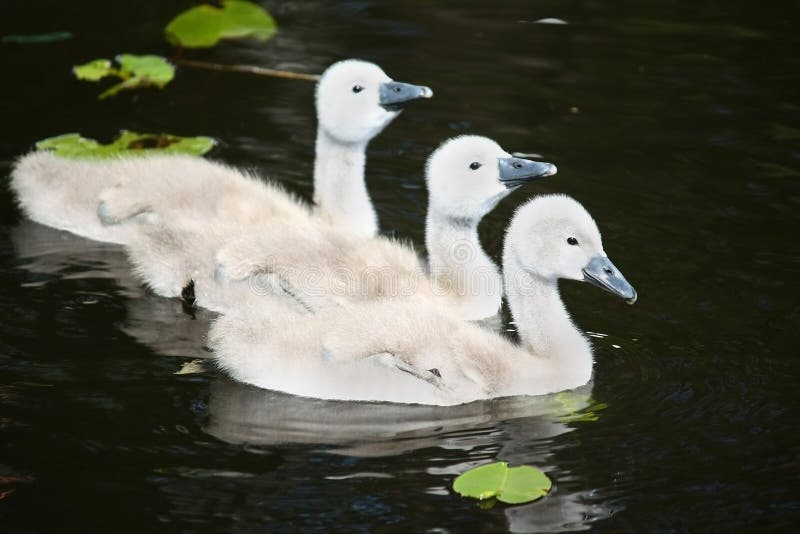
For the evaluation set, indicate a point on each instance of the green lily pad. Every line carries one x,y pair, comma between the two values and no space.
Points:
511,485
155,69
127,144
134,71
96,69
204,25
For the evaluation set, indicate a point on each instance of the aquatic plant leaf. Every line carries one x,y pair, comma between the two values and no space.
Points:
481,482
96,69
153,70
127,144
511,485
199,27
68,145
524,484
134,71
203,26
140,71
244,19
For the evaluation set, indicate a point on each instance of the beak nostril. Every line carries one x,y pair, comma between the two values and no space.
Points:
396,89
608,270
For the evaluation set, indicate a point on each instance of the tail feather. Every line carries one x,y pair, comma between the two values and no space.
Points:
63,193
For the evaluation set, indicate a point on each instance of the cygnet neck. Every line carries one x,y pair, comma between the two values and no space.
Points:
545,328
459,267
340,191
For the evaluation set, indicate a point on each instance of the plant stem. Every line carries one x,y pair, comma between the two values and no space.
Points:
251,69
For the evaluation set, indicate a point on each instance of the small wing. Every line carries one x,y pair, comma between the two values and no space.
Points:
392,361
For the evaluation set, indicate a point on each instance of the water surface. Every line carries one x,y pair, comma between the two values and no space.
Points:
676,123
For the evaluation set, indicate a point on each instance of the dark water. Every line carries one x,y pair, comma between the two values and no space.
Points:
676,123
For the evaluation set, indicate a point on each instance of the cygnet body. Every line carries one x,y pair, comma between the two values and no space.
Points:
415,352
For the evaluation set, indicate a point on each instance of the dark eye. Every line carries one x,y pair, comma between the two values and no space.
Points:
357,88
474,165
572,241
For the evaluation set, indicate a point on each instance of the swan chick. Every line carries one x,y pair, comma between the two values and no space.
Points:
467,176
415,352
93,198
355,101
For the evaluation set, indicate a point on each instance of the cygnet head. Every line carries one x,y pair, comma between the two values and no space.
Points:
468,175
553,236
356,100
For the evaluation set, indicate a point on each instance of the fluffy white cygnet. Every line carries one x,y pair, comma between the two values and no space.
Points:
415,352
356,100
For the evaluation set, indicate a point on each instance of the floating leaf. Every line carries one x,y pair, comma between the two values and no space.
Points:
203,26
127,144
68,145
513,485
199,27
245,19
154,69
134,71
94,70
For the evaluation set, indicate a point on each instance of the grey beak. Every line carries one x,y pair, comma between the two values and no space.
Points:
602,273
515,172
394,96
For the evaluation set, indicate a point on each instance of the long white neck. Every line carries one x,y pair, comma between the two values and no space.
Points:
545,328
339,188
459,267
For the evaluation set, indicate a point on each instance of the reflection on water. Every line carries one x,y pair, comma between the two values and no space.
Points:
239,413
517,430
47,251
161,324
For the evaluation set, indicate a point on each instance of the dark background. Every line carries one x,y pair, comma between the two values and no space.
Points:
675,122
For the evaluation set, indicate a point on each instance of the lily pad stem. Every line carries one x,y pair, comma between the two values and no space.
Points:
251,69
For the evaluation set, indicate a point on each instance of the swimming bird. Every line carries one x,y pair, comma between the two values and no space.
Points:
321,265
414,351
355,101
